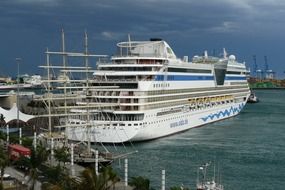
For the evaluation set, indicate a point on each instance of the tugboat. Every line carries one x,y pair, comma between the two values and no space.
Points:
206,184
252,98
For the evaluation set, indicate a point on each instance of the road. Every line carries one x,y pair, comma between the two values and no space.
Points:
21,177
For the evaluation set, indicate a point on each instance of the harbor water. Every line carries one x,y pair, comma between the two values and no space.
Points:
248,150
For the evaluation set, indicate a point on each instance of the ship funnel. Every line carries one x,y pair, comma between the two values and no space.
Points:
220,69
155,39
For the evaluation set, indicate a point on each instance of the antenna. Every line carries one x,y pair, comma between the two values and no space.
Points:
225,53
129,40
63,46
206,54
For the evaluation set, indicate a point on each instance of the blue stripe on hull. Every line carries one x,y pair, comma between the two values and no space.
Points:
235,78
183,77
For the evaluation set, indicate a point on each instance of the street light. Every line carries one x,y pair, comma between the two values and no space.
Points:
18,60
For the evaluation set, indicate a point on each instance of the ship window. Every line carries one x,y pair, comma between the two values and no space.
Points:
234,72
184,70
125,69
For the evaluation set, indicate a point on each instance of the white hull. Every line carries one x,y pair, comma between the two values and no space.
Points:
154,127
15,86
146,92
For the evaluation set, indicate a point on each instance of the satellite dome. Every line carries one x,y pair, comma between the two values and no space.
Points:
232,58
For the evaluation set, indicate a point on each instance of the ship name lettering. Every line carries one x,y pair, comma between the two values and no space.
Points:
179,123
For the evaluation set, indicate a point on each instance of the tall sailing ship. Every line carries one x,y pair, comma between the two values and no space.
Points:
146,92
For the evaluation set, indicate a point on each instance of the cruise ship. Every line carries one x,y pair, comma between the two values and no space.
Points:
146,92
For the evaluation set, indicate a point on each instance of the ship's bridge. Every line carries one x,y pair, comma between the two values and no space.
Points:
154,48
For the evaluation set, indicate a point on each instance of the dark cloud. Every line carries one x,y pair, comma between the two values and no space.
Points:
246,27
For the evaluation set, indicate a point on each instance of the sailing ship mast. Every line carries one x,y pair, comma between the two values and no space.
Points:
64,111
81,93
87,93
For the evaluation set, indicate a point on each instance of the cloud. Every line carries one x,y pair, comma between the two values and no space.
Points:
225,27
107,35
202,22
51,2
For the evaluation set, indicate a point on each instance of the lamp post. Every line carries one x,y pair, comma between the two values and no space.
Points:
18,60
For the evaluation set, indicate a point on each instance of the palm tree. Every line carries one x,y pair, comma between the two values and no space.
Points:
2,120
103,181
59,179
62,155
2,136
111,176
140,183
38,157
179,188
90,181
4,162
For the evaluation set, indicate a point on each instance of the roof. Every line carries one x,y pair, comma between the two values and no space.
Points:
11,114
19,147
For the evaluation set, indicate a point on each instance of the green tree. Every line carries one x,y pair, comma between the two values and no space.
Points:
140,183
27,142
14,139
59,179
38,157
4,162
62,155
179,188
90,181
2,120
111,176
103,181
2,136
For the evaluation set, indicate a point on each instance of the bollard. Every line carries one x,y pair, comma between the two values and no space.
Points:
163,180
96,162
126,172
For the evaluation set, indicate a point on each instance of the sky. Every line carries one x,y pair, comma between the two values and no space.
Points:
244,27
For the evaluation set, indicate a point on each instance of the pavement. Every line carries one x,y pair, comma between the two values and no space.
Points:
20,176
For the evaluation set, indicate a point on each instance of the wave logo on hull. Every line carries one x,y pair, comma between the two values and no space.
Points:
221,114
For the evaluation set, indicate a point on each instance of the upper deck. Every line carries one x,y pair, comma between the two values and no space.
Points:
154,49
